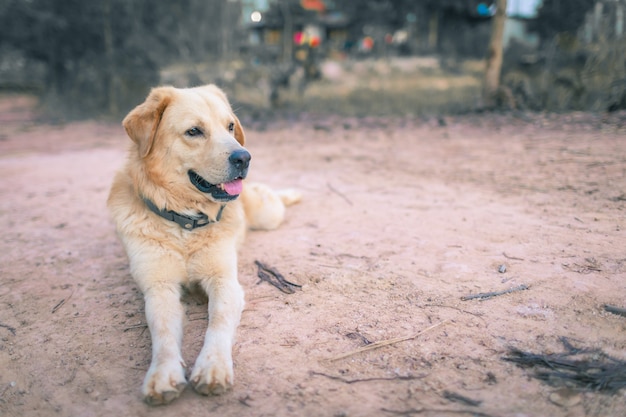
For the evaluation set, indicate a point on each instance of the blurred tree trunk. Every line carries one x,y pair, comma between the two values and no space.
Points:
287,30
230,16
494,57
433,30
109,52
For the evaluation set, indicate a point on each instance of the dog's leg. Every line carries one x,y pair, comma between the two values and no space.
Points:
213,370
159,275
165,379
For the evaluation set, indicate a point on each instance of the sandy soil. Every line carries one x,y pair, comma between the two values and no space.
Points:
400,220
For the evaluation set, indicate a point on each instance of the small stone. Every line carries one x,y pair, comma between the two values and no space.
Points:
502,269
565,397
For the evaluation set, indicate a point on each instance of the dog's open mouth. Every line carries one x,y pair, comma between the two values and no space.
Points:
223,192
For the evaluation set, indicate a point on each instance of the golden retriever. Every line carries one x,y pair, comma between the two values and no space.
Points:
181,210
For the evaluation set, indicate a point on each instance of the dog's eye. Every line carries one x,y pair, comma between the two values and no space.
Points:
231,127
194,131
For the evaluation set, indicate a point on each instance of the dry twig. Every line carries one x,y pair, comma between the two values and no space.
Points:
9,328
487,295
388,342
136,326
275,278
479,315
512,257
592,265
453,396
615,310
589,369
434,411
353,381
61,303
340,194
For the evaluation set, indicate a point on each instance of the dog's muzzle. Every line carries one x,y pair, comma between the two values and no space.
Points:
239,161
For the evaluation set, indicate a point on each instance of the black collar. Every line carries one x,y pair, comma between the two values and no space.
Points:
186,222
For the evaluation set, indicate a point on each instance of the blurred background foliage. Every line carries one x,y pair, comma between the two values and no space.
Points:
359,57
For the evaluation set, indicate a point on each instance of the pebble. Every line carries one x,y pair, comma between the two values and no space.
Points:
565,397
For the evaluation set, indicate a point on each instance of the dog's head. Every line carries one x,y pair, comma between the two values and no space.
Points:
190,138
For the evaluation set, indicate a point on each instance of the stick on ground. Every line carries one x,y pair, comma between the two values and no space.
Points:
339,193
587,369
354,381
486,295
455,397
9,328
60,303
275,278
615,310
388,342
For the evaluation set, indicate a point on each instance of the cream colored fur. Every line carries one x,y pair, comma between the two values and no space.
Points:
163,256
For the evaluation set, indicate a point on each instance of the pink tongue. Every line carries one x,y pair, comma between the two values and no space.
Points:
233,187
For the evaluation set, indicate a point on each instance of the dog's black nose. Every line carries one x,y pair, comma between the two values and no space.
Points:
240,159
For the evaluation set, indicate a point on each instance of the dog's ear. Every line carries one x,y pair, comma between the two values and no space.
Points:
142,122
239,135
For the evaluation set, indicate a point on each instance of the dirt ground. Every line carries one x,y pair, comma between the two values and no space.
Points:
401,219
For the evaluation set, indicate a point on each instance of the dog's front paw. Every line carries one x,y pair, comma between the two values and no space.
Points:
164,383
212,375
